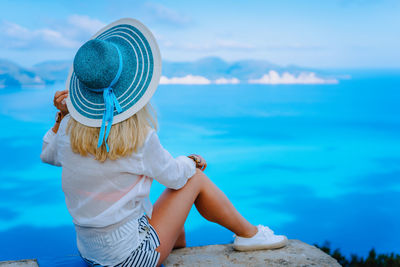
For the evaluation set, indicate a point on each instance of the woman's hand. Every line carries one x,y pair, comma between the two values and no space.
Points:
59,101
199,160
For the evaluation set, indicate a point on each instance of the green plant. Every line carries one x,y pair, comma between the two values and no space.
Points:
373,259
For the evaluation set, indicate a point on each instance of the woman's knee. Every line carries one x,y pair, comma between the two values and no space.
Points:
198,179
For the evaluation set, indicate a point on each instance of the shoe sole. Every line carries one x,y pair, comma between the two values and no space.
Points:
260,247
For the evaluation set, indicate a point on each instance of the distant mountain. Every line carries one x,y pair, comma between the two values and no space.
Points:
53,71
13,75
209,69
214,68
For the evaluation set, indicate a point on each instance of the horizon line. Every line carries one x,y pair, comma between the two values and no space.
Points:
332,68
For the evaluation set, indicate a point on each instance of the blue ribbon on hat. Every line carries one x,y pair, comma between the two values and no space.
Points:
110,102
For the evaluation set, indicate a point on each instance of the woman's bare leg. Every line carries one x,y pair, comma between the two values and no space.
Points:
181,241
172,208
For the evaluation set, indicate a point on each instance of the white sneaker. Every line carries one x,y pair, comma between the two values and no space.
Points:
263,239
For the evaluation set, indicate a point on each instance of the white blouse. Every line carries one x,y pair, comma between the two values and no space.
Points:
106,199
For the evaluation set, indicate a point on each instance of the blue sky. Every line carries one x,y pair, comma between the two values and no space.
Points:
321,34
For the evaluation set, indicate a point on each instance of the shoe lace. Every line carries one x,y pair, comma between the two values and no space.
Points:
265,231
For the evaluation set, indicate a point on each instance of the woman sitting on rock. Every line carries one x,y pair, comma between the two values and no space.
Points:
105,139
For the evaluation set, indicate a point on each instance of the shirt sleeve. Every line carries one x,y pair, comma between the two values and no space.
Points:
159,164
53,144
49,149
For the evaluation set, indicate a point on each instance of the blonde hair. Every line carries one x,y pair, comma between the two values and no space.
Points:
125,137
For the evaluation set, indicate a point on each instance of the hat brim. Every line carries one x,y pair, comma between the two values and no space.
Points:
138,81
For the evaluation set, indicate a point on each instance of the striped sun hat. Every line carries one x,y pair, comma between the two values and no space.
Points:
113,75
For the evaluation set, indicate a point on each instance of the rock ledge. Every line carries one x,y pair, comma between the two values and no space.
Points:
20,263
296,253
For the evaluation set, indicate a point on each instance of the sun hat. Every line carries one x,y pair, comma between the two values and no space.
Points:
113,75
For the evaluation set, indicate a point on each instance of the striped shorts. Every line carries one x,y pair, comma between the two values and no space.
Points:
145,254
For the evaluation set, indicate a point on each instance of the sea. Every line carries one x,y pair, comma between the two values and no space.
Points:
318,163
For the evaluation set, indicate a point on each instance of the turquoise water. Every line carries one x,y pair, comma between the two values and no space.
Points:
314,162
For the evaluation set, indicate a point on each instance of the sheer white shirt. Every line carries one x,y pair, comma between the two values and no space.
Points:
105,199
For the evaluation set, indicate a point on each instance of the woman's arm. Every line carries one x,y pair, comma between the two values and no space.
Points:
59,103
159,164
49,149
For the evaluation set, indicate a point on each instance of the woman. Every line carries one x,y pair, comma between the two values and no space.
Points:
105,139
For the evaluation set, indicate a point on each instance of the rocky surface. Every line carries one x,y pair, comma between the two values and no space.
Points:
21,263
296,253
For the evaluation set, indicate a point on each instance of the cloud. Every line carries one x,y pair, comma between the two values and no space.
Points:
273,77
67,34
194,79
188,79
55,38
167,15
13,35
227,81
85,23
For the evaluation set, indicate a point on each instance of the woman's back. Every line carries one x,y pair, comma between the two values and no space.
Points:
99,194
107,199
